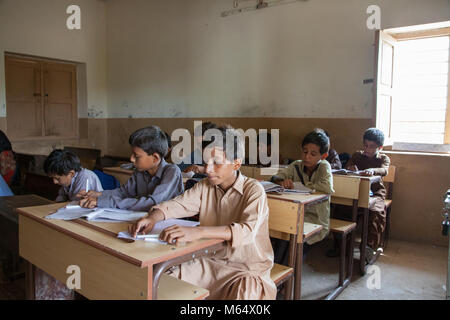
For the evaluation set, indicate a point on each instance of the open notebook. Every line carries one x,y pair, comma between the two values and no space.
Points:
72,212
346,172
273,187
159,226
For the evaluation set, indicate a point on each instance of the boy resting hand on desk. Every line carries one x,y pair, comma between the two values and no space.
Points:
233,208
153,181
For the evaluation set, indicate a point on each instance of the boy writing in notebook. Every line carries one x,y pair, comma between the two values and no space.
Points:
153,181
233,208
64,167
314,172
372,162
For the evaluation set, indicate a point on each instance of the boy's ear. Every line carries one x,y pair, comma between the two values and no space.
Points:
71,173
157,156
324,156
237,164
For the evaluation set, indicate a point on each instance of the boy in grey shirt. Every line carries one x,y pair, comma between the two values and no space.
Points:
153,181
65,169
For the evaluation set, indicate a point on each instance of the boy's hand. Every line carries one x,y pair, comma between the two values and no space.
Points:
176,234
144,226
89,202
367,172
287,184
84,194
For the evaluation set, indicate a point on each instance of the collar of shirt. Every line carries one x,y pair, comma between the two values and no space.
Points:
238,185
73,180
159,172
302,166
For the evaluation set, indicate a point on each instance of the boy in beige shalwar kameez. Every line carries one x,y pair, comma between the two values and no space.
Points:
231,207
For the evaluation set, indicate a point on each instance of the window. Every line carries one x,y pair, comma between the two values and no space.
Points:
412,100
41,98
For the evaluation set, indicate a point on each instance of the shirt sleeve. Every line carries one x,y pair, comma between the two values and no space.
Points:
384,166
251,220
61,197
352,160
333,159
285,173
170,186
185,205
324,182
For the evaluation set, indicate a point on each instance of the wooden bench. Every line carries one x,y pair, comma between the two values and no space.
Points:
345,231
171,288
280,273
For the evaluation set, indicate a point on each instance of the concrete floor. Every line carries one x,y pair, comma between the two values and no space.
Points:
408,271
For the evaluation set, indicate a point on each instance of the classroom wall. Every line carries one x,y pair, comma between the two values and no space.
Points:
421,182
180,59
38,28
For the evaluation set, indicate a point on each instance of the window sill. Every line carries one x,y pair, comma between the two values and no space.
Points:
415,153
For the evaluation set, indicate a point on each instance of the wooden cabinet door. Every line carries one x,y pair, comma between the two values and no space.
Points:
60,96
23,98
41,98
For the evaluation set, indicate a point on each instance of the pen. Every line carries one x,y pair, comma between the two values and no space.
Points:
87,185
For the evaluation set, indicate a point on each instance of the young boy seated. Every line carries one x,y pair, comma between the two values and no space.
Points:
153,181
314,172
188,164
233,208
64,167
372,162
333,156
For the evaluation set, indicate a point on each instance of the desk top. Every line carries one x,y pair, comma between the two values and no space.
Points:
139,253
118,170
298,198
353,176
9,204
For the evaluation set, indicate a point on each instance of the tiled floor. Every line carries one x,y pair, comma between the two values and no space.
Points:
407,271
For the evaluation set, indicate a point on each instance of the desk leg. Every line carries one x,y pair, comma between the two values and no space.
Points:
298,272
29,281
365,230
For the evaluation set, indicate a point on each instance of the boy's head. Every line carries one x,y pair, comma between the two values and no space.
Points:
315,147
223,155
149,146
373,141
61,166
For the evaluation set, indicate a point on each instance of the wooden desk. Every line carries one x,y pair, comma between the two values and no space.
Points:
110,268
344,186
123,174
9,227
288,207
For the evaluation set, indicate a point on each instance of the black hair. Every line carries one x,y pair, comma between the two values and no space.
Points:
61,162
150,139
319,138
169,140
375,135
227,132
5,144
208,125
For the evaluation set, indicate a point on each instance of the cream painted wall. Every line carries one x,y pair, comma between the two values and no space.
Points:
38,27
178,58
